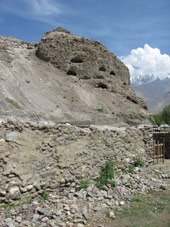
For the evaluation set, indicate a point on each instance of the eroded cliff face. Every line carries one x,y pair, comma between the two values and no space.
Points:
83,58
66,78
87,59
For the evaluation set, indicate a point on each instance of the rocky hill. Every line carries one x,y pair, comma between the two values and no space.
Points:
66,78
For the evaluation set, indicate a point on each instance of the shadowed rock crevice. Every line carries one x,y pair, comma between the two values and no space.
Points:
77,59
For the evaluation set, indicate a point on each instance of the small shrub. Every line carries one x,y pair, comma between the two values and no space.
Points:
44,194
131,169
139,162
100,110
107,175
84,183
30,201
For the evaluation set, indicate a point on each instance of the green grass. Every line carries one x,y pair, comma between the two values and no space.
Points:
44,195
145,208
137,163
84,183
19,203
100,110
12,102
107,175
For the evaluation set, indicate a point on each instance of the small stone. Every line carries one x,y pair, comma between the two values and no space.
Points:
62,181
2,193
8,220
43,211
78,220
29,187
66,208
2,141
154,179
85,214
80,225
44,219
23,190
10,225
36,216
136,170
26,223
112,215
18,219
77,194
62,200
122,203
127,160
14,192
11,136
163,186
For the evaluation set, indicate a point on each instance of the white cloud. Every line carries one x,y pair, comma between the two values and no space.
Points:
147,61
45,7
46,11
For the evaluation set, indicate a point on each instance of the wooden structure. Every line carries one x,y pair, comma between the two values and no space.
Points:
159,152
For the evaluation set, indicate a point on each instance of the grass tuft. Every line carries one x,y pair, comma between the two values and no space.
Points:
12,102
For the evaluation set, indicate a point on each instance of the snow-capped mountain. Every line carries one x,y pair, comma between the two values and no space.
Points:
138,80
155,92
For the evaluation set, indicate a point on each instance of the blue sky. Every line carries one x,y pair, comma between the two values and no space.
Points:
121,25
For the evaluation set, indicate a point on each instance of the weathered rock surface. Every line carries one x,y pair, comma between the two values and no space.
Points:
73,79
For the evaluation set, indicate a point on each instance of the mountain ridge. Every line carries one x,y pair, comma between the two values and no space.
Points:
155,93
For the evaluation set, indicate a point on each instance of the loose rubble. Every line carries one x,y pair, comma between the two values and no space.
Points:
72,206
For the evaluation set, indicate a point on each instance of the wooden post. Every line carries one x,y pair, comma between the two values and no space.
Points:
163,150
154,147
157,151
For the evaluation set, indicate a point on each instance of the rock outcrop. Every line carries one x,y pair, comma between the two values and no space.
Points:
87,59
66,78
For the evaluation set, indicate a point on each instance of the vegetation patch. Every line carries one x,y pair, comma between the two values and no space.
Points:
13,103
84,183
44,195
107,175
137,163
161,118
144,209
100,110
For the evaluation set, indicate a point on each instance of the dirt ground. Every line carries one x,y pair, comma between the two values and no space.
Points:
150,210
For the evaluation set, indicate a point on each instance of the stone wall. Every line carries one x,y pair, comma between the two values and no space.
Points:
163,136
34,156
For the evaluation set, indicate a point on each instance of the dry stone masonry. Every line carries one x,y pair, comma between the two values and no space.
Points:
47,162
33,157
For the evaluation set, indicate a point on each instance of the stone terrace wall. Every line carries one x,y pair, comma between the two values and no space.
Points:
163,136
34,156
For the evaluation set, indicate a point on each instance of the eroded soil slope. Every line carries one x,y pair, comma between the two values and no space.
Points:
65,78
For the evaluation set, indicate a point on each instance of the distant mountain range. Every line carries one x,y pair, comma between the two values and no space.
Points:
139,80
155,92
